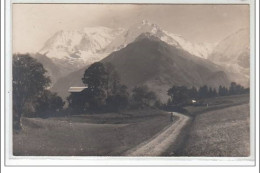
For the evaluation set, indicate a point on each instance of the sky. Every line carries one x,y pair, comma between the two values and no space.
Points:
33,24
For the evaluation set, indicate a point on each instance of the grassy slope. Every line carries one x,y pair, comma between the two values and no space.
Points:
80,136
222,132
218,103
182,146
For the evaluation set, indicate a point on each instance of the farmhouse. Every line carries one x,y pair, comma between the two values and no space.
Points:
194,101
77,89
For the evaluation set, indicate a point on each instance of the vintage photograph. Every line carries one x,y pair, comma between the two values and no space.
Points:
139,80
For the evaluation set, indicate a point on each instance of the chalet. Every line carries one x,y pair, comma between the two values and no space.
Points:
194,101
77,89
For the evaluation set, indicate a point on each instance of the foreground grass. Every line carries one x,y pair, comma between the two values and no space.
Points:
223,132
88,135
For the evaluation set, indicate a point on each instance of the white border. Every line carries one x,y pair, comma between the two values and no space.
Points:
84,161
140,1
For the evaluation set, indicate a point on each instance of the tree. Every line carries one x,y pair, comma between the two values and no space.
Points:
215,94
104,91
235,88
142,97
112,80
179,95
117,94
48,103
193,93
203,92
118,100
77,102
223,91
212,92
29,81
95,77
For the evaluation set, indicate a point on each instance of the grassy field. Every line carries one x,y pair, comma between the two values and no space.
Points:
219,128
218,103
223,132
88,135
212,129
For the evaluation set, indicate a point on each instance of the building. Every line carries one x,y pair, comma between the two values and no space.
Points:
77,89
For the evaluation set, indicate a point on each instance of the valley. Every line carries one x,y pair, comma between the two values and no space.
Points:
153,70
142,133
141,47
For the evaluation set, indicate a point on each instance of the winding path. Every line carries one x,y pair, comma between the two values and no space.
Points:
160,143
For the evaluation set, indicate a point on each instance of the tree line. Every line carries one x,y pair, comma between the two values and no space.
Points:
104,92
181,95
31,96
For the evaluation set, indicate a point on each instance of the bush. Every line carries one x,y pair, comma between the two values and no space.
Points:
48,104
142,97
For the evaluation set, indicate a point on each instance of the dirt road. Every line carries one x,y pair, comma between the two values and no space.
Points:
157,145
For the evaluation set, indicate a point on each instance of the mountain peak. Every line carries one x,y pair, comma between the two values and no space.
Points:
147,35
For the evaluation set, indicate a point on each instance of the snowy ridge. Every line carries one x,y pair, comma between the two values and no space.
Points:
81,45
128,36
94,43
233,53
200,49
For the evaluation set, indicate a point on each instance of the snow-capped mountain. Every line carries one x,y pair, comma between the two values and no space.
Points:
94,43
83,46
233,53
73,50
129,35
150,61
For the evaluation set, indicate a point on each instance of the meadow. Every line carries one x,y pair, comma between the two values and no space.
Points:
216,103
223,132
219,127
88,135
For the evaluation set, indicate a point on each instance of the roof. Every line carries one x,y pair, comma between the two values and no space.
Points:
76,89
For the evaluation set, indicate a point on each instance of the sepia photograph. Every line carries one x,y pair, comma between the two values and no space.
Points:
131,80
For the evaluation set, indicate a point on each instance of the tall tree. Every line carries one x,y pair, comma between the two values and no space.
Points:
178,94
142,97
223,91
236,88
104,91
95,76
193,93
118,100
204,92
112,79
215,94
29,81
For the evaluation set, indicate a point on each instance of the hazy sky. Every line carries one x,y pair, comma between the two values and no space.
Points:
33,24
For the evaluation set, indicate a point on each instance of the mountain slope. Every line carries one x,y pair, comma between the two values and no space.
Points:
53,70
152,62
64,83
234,55
56,69
70,51
129,35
